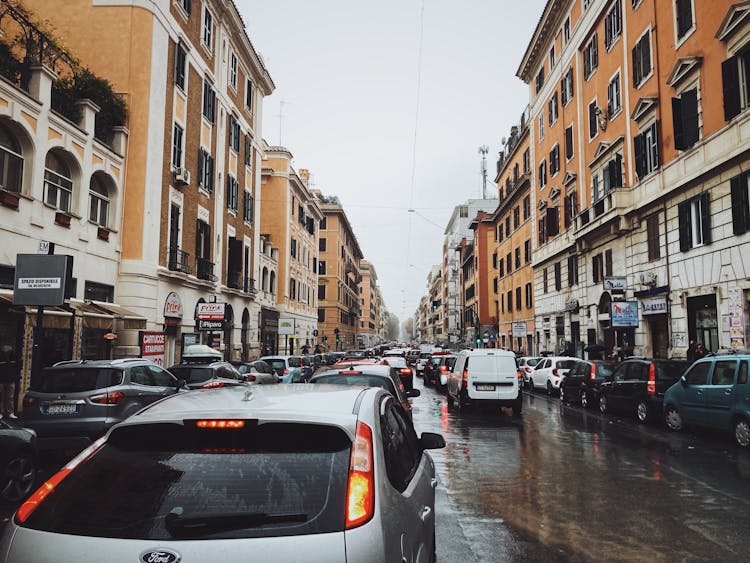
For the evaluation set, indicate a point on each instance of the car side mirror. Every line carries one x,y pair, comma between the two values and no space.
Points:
431,441
683,381
413,393
181,384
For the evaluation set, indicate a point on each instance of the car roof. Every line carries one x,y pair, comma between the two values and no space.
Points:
119,363
486,352
331,404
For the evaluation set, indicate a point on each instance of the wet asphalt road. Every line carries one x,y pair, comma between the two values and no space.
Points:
565,484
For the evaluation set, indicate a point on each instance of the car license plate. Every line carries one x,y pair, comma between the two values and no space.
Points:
62,408
485,387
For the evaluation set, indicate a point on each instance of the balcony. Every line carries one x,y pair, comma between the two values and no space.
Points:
206,270
179,261
249,286
234,280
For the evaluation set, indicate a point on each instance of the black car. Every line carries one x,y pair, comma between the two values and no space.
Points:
637,386
18,461
581,384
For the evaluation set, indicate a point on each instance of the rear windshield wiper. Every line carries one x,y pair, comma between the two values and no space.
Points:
202,524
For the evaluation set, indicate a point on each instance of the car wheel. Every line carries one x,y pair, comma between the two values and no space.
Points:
742,432
641,412
18,478
603,404
584,399
550,390
673,419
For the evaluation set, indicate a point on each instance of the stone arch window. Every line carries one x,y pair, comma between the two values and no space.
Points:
99,201
11,161
58,182
272,282
264,279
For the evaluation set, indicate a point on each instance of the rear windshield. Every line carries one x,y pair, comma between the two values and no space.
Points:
363,380
78,380
605,370
192,374
424,356
166,482
493,364
565,364
397,361
670,370
532,361
294,362
261,367
450,362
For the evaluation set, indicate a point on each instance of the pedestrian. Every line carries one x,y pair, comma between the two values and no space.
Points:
700,351
317,349
305,349
9,376
691,352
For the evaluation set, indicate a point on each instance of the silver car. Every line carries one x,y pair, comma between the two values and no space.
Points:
312,473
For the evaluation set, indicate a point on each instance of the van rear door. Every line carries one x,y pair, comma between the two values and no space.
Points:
493,377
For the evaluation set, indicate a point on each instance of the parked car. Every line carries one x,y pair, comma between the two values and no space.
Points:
444,368
404,371
638,385
527,364
371,375
282,364
18,461
581,384
714,392
295,375
258,372
337,474
549,372
73,403
485,376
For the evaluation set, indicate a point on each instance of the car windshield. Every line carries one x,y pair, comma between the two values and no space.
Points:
170,481
295,362
424,356
671,370
357,379
192,374
532,361
565,364
77,380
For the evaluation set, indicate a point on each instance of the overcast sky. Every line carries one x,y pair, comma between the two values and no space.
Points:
347,74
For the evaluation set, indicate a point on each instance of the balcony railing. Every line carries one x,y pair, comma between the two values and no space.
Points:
249,286
234,280
179,261
205,269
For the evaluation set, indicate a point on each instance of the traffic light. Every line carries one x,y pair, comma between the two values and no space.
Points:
479,341
338,340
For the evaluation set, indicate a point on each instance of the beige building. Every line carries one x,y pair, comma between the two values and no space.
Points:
371,303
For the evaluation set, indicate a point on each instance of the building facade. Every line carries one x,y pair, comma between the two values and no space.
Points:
371,303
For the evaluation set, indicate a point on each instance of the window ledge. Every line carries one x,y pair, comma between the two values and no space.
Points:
681,41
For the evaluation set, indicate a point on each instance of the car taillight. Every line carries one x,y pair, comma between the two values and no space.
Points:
593,372
528,369
286,371
443,369
554,372
651,380
212,384
112,398
405,371
350,372
220,424
360,493
465,379
250,377
29,401
31,504
519,374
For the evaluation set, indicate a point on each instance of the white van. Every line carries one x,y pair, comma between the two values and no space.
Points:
485,376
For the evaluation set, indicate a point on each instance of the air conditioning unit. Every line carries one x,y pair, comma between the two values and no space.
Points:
648,278
181,176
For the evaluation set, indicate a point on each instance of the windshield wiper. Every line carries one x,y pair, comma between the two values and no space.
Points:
203,524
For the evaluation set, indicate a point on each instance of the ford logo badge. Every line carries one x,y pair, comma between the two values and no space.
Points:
160,556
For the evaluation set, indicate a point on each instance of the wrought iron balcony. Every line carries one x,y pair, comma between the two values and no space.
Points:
179,261
205,269
234,280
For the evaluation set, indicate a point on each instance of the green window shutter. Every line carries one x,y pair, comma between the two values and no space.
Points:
740,205
706,217
686,238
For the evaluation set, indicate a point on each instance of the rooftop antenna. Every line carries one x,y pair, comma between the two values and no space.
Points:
280,115
483,150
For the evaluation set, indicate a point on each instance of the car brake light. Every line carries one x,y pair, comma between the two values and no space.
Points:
29,401
443,369
519,374
250,377
212,384
554,372
651,380
360,494
286,371
465,379
593,372
31,504
220,424
111,398
350,372
528,369
405,371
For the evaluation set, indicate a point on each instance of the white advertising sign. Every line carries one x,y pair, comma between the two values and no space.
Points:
211,311
286,326
518,329
39,283
654,305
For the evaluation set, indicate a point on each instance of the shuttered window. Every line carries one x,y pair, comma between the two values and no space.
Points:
608,263
652,231
569,142
641,59
740,203
573,270
553,221
558,276
694,222
590,57
685,119
646,146
735,72
592,120
684,15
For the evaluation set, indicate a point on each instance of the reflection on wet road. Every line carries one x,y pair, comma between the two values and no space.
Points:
562,483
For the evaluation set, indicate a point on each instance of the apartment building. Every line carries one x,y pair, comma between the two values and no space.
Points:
371,303
435,294
338,277
194,87
290,221
512,222
642,226
486,304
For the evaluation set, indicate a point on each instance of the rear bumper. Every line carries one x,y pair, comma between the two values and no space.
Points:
493,397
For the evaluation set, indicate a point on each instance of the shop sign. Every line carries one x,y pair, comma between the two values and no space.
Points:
173,306
624,313
190,338
41,279
210,311
571,305
210,325
518,329
654,305
615,283
110,336
286,326
152,347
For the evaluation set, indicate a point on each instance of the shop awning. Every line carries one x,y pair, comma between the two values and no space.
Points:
54,317
93,316
131,319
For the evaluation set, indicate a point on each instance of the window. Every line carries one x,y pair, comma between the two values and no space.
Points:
527,251
614,105
552,109
529,302
566,31
292,288
401,450
652,230
11,162
569,142
322,244
500,233
612,25
608,262
58,183
558,276
509,299
590,57
735,74
501,268
519,299
508,263
249,91
570,209
293,247
98,201
518,257
742,375
553,221
612,175
208,29
234,134
542,174
684,17
566,87
494,260
185,5
232,193
541,127
694,222
507,225
322,267
544,280
248,150
494,285
233,70
516,217
247,207
647,151
554,160
593,127
740,187
586,4
177,146
205,170
209,101
98,292
463,211
179,66
203,241
526,207
551,57
642,59
685,119
540,80
542,231
321,315
573,270
526,161
597,267
321,291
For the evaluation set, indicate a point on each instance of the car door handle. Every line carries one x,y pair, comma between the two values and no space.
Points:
433,482
727,391
699,391
425,514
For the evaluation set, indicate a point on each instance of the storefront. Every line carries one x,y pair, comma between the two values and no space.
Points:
703,321
655,312
173,312
269,331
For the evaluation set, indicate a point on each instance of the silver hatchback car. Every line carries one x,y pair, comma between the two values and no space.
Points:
310,473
